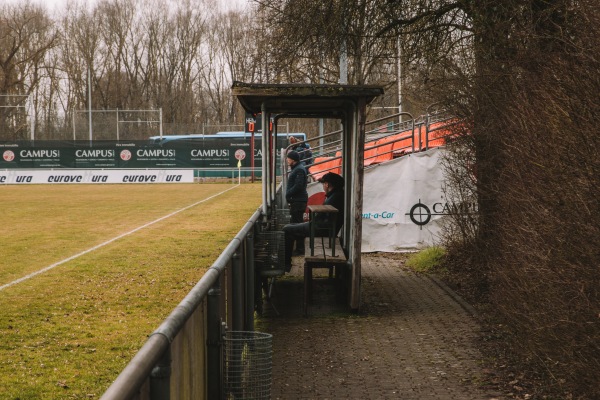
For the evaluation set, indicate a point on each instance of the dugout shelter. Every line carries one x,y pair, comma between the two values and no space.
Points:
348,104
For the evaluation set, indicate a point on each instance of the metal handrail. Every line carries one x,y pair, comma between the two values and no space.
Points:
425,122
331,147
135,374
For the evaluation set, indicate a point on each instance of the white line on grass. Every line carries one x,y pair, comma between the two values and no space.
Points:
48,268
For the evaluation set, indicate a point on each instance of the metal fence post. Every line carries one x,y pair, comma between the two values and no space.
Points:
237,277
249,313
213,344
160,378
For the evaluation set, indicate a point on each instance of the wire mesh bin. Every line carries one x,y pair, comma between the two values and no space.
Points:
269,252
282,218
248,365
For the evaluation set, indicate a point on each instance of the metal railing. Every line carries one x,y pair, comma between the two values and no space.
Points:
182,358
417,131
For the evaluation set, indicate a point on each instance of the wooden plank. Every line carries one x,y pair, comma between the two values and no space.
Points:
323,254
321,259
319,208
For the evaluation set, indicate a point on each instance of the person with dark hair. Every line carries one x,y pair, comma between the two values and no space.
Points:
333,185
296,194
303,150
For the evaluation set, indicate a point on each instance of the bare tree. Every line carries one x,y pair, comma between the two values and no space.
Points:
309,38
230,53
115,19
26,37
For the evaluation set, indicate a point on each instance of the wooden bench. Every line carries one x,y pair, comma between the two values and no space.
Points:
320,256
321,252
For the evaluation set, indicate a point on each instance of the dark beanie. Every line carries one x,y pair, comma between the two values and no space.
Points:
294,155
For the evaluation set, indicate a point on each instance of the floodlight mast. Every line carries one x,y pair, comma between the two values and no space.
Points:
160,126
90,102
399,66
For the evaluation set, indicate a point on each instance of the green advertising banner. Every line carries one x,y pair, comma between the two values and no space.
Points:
211,153
225,150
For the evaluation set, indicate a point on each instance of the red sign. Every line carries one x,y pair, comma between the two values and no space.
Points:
240,154
125,155
8,155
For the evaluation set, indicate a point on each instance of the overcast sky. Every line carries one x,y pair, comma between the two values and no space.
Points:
54,5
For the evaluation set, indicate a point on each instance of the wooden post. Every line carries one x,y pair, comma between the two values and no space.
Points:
358,127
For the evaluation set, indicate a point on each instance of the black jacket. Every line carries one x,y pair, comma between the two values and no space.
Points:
336,198
296,185
306,155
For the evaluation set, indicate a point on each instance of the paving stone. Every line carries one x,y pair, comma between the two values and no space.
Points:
411,339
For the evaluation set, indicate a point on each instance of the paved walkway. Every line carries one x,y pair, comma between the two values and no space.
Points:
412,339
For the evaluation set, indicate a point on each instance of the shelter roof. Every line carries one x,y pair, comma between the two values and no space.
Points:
303,100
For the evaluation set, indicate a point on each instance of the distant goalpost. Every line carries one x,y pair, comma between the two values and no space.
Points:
116,124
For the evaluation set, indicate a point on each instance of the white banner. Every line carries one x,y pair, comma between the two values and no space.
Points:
404,206
76,176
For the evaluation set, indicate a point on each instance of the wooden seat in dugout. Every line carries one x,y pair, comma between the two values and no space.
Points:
322,252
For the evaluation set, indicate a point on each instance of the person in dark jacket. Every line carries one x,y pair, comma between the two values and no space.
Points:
333,185
296,194
303,149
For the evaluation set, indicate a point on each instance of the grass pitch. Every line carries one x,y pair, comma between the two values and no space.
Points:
68,332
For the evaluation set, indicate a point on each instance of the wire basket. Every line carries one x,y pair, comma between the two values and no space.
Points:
248,365
269,252
282,218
